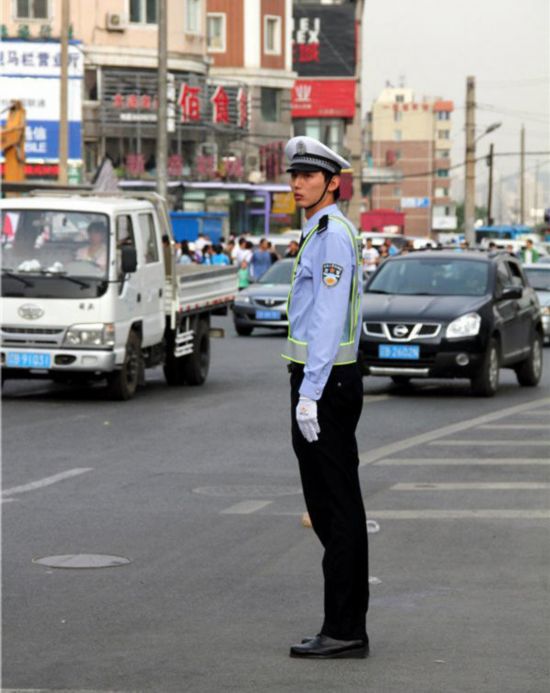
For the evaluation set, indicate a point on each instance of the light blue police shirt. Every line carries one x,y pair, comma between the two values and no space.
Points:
318,313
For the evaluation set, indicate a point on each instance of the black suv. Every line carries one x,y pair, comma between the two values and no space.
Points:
449,314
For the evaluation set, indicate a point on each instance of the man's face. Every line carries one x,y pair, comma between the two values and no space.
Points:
308,186
96,237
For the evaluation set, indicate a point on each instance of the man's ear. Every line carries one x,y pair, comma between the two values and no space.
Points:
334,183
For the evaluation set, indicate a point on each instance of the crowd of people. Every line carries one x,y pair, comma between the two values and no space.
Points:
252,260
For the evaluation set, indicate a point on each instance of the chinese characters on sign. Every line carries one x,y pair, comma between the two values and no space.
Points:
220,100
189,103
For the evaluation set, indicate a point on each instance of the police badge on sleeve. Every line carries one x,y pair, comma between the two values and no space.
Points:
331,274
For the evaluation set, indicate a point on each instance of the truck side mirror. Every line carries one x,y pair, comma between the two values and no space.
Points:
128,259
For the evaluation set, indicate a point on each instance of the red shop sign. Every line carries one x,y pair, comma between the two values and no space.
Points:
327,98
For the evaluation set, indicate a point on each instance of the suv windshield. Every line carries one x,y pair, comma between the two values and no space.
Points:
279,273
51,253
431,277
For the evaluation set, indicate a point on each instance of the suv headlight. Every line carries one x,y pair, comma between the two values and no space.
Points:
90,335
465,326
241,300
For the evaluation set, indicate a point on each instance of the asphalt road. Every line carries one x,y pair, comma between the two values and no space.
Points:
198,488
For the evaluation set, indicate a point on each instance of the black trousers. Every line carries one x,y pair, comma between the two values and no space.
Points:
330,481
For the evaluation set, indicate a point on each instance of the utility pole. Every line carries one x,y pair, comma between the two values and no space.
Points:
162,113
64,94
470,178
536,196
490,219
522,177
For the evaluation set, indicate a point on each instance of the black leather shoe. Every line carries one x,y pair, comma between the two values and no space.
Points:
323,647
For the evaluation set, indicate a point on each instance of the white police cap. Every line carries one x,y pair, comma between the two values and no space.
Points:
308,154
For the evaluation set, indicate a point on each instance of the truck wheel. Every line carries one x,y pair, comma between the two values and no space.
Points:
243,330
528,372
123,383
485,381
197,364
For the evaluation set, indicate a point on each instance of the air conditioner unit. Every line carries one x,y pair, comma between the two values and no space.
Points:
115,21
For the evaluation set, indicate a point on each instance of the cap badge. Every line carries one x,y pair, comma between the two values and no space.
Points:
301,147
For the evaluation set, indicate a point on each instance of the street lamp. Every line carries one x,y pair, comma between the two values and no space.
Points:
488,129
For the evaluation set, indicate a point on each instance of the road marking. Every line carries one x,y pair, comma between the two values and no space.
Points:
475,443
515,427
246,507
459,461
375,398
473,486
504,514
540,412
48,481
392,448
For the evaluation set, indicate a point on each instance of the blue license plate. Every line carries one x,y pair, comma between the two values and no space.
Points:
399,351
268,315
28,359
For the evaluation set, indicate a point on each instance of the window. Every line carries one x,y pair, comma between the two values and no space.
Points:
443,115
442,153
271,99
399,98
517,278
143,11
148,238
90,84
124,236
397,192
397,116
193,17
327,130
272,35
442,172
397,135
441,192
32,9
443,134
215,32
503,277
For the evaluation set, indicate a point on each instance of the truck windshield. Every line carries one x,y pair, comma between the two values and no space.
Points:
53,247
433,277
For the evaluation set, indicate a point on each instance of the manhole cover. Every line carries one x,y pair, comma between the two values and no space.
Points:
247,491
82,560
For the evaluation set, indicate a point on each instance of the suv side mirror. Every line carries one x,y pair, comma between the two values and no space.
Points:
511,292
128,259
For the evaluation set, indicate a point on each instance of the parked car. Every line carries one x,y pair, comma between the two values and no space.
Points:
538,276
443,314
263,304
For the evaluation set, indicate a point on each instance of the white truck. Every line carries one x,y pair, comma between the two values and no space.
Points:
91,290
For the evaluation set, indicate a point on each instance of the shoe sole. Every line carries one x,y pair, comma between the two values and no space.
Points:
346,654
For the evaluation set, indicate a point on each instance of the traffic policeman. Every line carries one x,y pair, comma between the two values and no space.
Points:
327,395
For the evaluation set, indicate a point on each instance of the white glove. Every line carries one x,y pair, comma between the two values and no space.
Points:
306,418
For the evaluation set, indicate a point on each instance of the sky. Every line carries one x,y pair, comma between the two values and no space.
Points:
431,46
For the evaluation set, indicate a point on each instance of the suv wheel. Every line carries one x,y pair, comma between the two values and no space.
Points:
485,381
528,372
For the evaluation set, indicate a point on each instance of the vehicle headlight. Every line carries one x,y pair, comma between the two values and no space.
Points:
90,335
241,300
465,326
545,310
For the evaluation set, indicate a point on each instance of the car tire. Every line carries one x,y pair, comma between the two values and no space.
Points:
485,381
123,384
529,372
197,364
243,330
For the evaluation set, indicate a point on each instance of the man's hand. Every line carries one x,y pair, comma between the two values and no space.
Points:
306,417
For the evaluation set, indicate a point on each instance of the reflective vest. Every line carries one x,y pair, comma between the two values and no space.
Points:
296,350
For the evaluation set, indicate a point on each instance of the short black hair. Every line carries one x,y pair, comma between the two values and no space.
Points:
328,177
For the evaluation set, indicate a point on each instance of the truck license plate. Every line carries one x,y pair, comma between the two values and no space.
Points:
28,359
268,315
399,351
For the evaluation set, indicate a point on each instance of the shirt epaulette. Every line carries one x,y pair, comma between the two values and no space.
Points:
323,224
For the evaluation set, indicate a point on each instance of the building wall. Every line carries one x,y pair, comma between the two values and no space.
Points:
233,56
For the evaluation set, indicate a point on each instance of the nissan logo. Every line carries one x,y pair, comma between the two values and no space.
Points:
400,331
30,312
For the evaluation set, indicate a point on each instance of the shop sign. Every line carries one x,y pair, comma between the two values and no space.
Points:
30,73
327,98
324,40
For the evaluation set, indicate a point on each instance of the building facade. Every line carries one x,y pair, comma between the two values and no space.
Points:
412,139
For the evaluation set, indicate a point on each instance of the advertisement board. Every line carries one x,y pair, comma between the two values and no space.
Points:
30,73
328,98
323,40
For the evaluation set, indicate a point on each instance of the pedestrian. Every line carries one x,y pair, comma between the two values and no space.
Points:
327,395
206,254
242,274
529,253
186,256
292,250
370,257
218,256
273,253
261,260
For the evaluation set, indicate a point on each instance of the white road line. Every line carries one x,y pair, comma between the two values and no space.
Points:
504,514
459,461
375,398
476,443
474,486
245,507
392,448
540,412
48,481
515,427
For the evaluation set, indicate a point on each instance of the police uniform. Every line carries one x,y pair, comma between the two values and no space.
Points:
323,338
